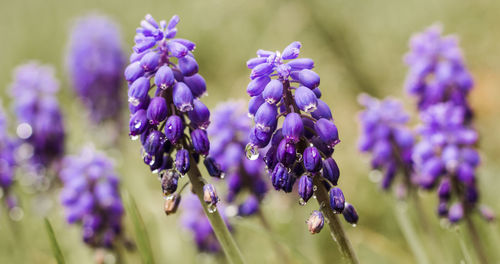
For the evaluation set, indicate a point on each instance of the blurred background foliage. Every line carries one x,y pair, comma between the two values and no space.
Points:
357,46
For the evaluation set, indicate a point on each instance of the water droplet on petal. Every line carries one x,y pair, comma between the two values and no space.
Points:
354,225
138,124
222,175
252,151
315,188
152,161
134,101
302,202
212,208
134,137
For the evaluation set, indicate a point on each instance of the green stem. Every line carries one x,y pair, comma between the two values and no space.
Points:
280,250
220,229
336,230
409,233
464,248
476,240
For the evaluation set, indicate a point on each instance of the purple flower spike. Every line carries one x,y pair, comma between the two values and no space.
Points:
305,188
306,99
157,110
200,141
182,97
312,160
302,147
273,92
293,127
91,198
337,200
182,162
315,222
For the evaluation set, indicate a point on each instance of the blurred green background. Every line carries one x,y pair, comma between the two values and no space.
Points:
357,46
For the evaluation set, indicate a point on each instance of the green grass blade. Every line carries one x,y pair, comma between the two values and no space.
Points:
143,244
56,250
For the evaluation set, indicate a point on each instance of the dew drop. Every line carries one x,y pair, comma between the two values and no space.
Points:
152,161
354,225
138,124
169,197
134,137
222,176
155,171
16,214
315,188
302,202
299,157
252,151
314,196
212,208
134,101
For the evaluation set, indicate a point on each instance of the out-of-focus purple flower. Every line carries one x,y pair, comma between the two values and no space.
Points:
39,116
91,198
95,61
283,85
193,219
384,134
8,146
437,71
164,101
229,133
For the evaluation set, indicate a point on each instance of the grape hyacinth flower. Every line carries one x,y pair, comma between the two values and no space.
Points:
91,198
229,132
384,134
40,119
283,85
194,220
437,71
446,158
8,147
95,61
169,117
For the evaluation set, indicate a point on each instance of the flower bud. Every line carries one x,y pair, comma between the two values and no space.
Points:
305,188
154,142
431,170
322,146
172,203
487,213
265,118
350,214
138,123
257,85
150,61
187,43
254,104
254,62
133,71
465,174
337,200
286,153
270,158
279,176
249,207
456,212
167,163
389,175
182,161
300,64
177,49
471,194
273,92
197,85
312,159
442,209
327,131
157,110
444,189
174,128
169,182
309,78
138,91
315,222
200,141
200,115
259,138
322,111
317,92
182,97
288,183
261,70
209,195
306,99
164,77
293,127
291,51
212,167
470,156
188,66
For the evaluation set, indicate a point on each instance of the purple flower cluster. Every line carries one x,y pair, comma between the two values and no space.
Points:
384,133
445,156
91,197
39,116
283,85
95,63
437,70
229,132
7,163
159,118
194,219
